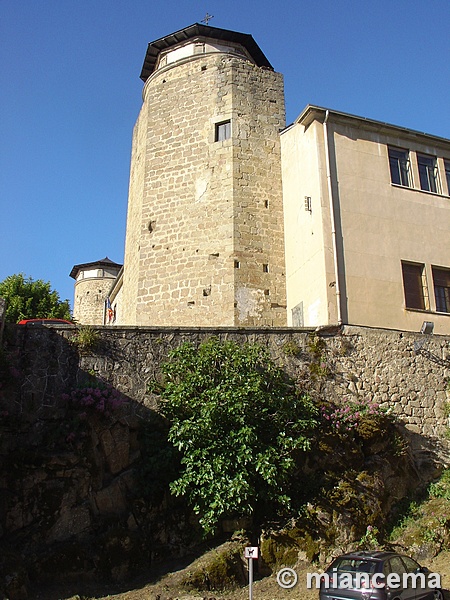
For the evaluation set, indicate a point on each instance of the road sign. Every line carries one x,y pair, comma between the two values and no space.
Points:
251,552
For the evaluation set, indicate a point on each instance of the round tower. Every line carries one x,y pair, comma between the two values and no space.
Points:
204,239
93,282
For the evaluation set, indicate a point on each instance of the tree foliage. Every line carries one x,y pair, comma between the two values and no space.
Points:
240,426
29,299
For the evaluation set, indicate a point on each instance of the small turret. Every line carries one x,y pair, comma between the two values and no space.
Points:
92,284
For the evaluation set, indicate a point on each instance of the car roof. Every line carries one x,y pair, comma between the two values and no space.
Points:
49,320
374,554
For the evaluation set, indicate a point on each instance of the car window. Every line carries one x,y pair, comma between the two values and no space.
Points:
355,565
410,564
397,566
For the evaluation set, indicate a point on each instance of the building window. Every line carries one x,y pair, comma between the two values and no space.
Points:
441,281
223,131
265,268
415,286
427,172
447,174
400,166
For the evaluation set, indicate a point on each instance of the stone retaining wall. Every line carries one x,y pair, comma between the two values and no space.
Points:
406,372
71,478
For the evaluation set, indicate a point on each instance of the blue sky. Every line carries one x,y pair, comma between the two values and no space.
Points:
70,94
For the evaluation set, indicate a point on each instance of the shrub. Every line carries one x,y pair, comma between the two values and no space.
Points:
239,424
86,338
101,400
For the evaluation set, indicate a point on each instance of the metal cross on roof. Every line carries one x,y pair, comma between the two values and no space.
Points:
207,18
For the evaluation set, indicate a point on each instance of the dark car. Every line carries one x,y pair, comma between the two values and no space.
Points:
378,576
44,322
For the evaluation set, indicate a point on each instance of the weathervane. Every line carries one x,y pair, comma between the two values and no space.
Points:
207,18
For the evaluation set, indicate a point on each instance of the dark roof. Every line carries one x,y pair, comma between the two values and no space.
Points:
104,262
195,30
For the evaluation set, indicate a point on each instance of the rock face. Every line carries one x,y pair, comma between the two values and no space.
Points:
84,468
72,504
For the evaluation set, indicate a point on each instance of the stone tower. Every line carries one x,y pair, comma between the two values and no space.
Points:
92,284
204,239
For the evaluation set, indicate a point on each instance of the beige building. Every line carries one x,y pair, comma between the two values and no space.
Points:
229,210
367,223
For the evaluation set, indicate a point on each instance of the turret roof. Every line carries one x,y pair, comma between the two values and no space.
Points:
103,262
195,30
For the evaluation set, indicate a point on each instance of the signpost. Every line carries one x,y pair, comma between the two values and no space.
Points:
251,553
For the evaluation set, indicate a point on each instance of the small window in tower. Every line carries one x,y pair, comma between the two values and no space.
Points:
265,268
223,131
237,264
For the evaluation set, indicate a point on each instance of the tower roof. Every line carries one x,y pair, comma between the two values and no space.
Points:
195,30
104,262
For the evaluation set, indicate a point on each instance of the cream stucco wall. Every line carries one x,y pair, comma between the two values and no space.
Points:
378,224
310,276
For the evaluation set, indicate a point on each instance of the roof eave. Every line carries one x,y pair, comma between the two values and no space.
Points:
319,113
196,30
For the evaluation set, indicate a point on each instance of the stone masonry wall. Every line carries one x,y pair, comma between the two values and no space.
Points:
258,102
89,299
197,206
406,372
71,474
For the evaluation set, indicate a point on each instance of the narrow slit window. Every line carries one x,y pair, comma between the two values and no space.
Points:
223,131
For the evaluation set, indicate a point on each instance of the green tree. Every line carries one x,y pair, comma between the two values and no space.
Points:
240,426
28,299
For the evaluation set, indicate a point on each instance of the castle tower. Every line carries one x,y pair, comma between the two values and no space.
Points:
93,282
204,239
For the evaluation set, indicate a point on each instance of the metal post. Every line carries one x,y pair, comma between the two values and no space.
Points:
250,578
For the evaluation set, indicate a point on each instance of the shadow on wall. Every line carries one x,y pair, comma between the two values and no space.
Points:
85,463
84,474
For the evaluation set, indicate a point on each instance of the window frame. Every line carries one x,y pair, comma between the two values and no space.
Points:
447,174
441,292
428,172
222,131
415,290
400,171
